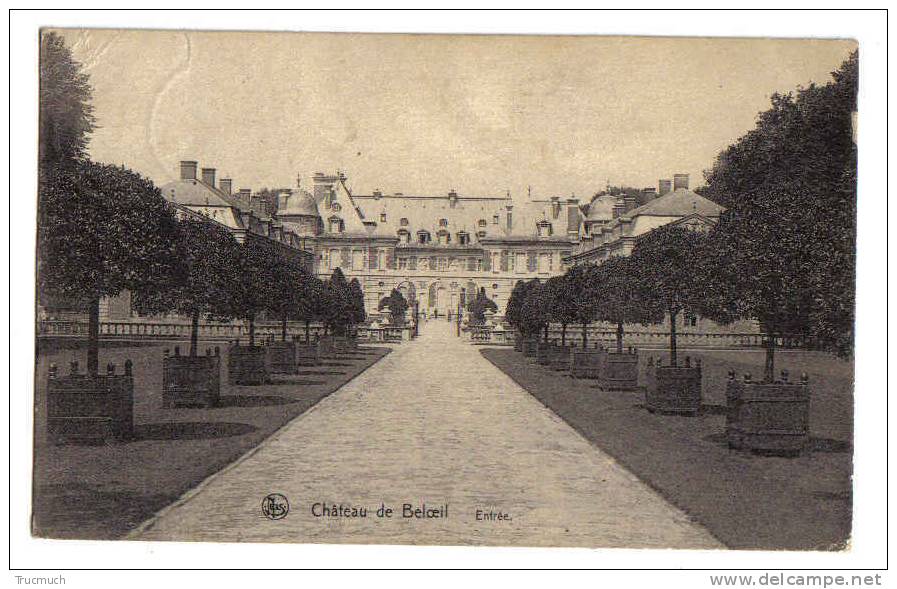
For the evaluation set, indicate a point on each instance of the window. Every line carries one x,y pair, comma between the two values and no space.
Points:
545,262
544,228
336,225
481,222
495,219
404,236
481,234
383,217
423,237
443,222
403,222
334,258
403,263
443,237
519,262
357,259
463,238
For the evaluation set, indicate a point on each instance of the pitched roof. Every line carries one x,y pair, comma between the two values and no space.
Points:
678,203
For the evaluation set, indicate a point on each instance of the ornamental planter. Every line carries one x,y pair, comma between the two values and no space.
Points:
674,389
619,372
308,354
90,409
771,417
543,353
587,363
282,357
560,358
247,365
191,380
529,347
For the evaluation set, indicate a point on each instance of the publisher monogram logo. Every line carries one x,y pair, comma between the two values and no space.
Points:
275,506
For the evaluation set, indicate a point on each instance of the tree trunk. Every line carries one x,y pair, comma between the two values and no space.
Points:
545,337
585,335
93,337
619,337
307,331
252,331
194,333
283,328
673,359
769,372
563,334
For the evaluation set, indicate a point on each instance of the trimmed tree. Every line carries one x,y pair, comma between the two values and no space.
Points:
478,305
534,314
515,302
356,303
205,289
258,280
790,188
562,309
103,230
311,305
396,304
668,267
618,299
338,308
288,289
582,297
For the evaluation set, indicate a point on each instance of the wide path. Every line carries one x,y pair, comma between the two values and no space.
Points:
432,423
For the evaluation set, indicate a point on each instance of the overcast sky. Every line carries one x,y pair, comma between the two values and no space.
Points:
424,114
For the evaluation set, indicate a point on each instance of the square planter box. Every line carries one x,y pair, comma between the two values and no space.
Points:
308,354
529,347
674,390
587,363
767,417
326,345
247,365
619,372
90,409
191,381
282,357
560,358
544,352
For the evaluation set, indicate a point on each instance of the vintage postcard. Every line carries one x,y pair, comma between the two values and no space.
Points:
494,290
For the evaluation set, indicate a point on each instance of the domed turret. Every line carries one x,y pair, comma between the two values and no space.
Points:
298,210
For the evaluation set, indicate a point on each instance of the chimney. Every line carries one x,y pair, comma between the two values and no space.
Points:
323,190
208,176
555,207
664,186
188,170
453,198
378,195
245,195
510,217
680,181
226,185
572,216
629,202
649,193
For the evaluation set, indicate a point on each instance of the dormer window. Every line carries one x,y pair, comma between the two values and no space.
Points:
443,222
463,238
403,222
481,222
404,236
443,237
383,217
336,225
495,219
544,228
481,234
423,237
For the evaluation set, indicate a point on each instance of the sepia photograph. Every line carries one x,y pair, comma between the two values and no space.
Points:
558,291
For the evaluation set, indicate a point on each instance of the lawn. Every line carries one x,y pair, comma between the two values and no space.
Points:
745,500
102,492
